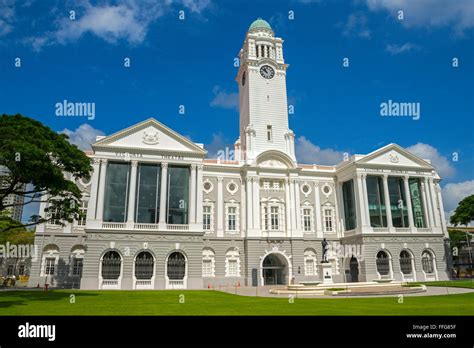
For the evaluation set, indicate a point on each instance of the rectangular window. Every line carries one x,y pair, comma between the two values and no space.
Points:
274,218
309,267
328,220
10,270
178,195
83,209
233,272
207,268
265,217
206,219
49,265
417,202
375,195
349,205
231,218
269,133
77,267
396,190
21,270
307,219
116,192
148,193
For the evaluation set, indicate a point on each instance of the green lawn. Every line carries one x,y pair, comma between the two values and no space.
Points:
465,283
208,302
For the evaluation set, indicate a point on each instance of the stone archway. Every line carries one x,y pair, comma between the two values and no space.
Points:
275,270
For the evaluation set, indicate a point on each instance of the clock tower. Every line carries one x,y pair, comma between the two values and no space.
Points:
262,91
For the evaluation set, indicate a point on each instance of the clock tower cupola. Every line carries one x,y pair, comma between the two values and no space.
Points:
262,94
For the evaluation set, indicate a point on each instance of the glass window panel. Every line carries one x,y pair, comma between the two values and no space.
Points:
417,202
116,192
178,195
349,206
396,190
148,193
375,195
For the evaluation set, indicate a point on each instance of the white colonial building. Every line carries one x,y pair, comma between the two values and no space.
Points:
160,215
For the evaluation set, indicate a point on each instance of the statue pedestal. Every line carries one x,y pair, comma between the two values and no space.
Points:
326,272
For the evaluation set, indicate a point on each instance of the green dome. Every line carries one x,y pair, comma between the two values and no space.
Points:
260,24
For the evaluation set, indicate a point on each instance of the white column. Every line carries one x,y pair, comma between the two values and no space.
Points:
132,194
436,214
411,221
100,196
256,204
429,203
292,205
426,216
248,200
298,207
317,208
243,209
366,199
340,203
199,195
192,196
362,205
288,201
388,208
163,194
92,205
220,213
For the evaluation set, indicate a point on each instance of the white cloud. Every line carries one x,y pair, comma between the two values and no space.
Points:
441,163
453,193
430,13
394,49
7,16
224,100
125,20
83,136
219,146
308,153
356,26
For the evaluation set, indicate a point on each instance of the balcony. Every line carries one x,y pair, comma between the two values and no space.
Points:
143,226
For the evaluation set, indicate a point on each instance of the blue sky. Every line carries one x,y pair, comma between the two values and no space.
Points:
190,62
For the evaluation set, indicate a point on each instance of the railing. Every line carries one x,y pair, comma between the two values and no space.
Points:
402,229
109,283
143,284
177,227
142,226
113,225
176,282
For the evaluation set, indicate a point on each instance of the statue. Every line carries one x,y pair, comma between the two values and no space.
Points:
325,245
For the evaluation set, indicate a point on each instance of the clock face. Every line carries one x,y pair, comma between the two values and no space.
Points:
267,72
243,79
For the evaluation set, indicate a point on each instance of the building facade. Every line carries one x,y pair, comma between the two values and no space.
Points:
162,216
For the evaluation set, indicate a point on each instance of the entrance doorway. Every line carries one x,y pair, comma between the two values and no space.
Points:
354,269
274,270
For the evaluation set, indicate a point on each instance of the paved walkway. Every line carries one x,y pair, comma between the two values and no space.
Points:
264,291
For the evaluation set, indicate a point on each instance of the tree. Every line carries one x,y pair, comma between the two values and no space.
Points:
464,213
38,161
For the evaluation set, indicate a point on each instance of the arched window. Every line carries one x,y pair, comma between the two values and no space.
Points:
144,265
309,262
208,263
77,257
176,266
406,262
111,264
427,262
232,263
50,260
383,263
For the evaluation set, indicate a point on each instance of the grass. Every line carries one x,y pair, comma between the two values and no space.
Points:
465,283
208,302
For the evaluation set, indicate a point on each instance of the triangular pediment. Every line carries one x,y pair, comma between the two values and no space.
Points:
395,156
149,135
